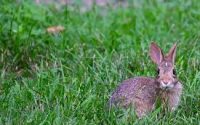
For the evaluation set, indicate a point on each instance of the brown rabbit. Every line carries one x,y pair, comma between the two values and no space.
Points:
142,92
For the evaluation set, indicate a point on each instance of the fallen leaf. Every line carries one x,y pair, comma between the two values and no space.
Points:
55,29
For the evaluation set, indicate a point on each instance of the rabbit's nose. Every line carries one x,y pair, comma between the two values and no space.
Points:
166,83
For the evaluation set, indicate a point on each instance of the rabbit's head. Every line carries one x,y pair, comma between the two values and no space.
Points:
166,77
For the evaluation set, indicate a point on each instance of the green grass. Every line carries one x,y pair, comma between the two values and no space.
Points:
67,78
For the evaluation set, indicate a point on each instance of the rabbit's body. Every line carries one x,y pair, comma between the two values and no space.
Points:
139,92
142,92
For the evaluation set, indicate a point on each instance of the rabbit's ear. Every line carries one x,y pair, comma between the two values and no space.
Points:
156,53
172,54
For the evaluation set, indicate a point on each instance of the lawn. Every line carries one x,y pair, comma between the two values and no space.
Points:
68,77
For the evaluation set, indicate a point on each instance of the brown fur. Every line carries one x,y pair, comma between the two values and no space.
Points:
142,92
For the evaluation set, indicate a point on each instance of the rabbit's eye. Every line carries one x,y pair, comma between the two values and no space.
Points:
174,72
158,71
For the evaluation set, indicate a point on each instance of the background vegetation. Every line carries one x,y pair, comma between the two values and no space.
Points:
67,77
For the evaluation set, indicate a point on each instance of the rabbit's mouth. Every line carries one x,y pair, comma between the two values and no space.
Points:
166,86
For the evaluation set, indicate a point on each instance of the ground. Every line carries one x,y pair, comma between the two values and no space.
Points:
67,77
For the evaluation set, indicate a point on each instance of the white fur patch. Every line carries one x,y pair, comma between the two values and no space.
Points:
166,64
166,86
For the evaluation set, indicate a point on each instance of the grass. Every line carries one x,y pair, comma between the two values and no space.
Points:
67,78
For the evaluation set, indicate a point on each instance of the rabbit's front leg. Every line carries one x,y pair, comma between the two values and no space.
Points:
174,96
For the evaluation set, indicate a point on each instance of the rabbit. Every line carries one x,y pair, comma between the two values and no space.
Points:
141,93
